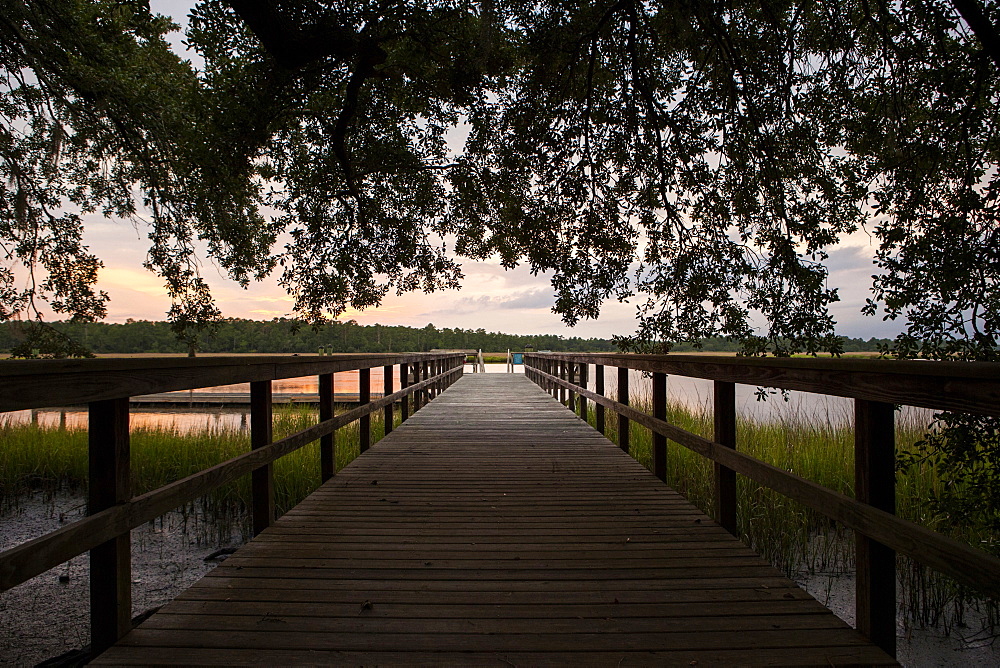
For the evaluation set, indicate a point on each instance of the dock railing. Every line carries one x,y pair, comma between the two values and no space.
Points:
105,385
875,385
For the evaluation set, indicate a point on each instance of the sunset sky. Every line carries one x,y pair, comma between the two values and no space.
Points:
491,298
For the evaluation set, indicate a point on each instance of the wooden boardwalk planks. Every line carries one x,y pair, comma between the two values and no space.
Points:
494,528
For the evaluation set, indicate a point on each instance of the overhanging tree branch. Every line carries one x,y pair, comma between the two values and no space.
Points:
291,46
972,13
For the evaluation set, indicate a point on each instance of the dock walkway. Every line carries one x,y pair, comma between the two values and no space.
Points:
494,527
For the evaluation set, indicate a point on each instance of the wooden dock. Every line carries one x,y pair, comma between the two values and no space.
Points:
494,528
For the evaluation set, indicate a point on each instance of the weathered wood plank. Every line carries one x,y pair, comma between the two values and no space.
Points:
494,525
193,656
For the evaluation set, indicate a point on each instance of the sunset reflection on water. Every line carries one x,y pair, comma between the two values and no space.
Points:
183,420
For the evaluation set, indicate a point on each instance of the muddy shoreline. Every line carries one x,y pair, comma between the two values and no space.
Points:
48,615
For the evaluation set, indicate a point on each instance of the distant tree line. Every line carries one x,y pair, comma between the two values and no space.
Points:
719,345
282,335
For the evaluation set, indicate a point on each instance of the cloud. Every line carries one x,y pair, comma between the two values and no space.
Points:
851,271
135,280
527,300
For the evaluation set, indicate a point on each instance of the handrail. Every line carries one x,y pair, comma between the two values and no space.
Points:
967,387
28,384
875,385
105,386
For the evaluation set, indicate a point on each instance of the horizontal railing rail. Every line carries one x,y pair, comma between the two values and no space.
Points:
875,385
967,387
105,385
26,384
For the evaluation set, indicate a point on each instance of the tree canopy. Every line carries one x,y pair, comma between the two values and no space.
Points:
698,157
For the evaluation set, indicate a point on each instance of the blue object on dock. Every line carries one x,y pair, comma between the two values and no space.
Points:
518,358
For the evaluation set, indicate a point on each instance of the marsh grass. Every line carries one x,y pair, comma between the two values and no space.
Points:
801,541
50,460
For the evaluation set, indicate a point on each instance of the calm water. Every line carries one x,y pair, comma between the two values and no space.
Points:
692,392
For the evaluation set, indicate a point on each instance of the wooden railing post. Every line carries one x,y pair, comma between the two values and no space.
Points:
660,413
599,388
418,397
327,443
425,373
875,485
387,412
562,376
430,374
404,382
109,485
623,399
262,479
584,370
415,373
725,434
364,397
571,404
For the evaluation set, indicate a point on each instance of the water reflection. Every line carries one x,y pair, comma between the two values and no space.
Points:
183,420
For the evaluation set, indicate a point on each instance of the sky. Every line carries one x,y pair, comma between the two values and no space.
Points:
491,298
